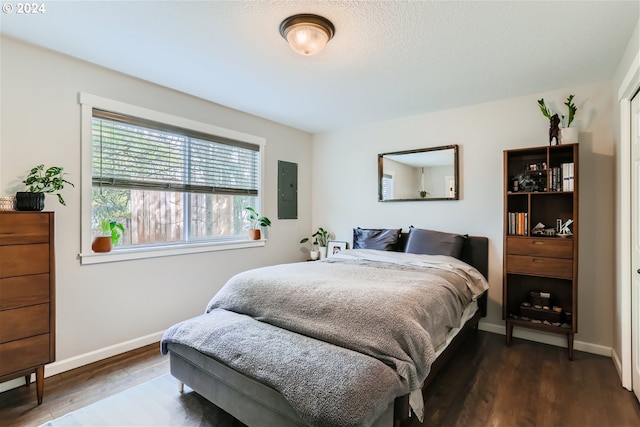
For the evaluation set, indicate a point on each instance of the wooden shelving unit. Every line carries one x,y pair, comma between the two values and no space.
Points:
541,187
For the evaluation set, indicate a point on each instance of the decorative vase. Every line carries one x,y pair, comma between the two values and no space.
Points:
568,135
254,234
7,203
323,252
101,244
27,201
314,255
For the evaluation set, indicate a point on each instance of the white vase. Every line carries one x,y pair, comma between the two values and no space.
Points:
314,255
568,135
323,252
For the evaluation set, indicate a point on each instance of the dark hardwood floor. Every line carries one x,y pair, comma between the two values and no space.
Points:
486,384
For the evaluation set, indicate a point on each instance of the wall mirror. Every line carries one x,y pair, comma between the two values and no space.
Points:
422,174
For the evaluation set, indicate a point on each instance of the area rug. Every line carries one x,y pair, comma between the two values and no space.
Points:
154,403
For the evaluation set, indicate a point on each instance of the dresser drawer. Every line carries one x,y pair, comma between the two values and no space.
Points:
20,228
24,322
24,354
546,247
24,290
540,266
20,260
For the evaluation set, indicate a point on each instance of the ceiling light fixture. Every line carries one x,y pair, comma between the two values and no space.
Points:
307,34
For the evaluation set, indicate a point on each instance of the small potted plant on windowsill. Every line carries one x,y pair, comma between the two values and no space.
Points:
112,231
256,222
41,181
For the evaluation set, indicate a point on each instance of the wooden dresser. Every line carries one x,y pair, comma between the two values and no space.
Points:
27,296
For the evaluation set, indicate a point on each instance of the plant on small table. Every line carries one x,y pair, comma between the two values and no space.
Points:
256,221
41,181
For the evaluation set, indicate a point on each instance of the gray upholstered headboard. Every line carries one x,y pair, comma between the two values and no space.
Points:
475,252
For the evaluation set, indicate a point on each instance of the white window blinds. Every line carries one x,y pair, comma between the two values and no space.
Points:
130,152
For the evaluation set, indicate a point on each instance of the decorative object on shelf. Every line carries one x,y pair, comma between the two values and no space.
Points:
566,134
8,203
256,222
564,230
569,135
41,181
112,231
307,34
554,122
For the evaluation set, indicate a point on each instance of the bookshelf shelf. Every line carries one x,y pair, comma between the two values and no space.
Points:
541,195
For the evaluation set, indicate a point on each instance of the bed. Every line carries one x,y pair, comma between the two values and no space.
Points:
347,341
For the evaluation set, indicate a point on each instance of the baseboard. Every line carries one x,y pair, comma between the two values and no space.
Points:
551,339
87,358
618,364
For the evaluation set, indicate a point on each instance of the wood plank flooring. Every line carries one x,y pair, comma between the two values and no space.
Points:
486,384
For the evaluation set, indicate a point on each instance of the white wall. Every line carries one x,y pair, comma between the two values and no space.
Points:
625,84
105,308
346,198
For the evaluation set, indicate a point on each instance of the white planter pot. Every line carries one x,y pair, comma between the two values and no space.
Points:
568,135
314,255
323,252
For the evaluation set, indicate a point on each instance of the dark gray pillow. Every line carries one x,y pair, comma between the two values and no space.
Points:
385,239
429,242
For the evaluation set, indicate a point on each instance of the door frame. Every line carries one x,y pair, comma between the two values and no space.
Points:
629,86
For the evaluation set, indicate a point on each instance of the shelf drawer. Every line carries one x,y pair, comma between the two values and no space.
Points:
24,322
23,228
542,247
23,354
540,266
22,291
20,260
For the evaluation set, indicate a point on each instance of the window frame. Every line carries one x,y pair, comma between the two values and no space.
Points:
87,103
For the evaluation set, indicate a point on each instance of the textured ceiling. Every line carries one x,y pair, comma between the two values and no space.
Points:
388,59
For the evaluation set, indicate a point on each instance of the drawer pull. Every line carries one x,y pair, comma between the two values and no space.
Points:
537,242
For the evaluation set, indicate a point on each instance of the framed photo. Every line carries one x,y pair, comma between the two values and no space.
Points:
333,247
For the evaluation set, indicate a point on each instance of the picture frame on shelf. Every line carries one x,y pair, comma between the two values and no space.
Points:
334,246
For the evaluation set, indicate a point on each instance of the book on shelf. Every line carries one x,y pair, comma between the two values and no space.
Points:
561,178
518,223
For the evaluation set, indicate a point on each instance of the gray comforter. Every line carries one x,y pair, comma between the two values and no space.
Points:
395,308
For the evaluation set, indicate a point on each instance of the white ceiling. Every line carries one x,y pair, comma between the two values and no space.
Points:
388,59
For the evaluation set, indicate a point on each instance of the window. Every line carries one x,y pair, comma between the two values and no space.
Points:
387,187
172,183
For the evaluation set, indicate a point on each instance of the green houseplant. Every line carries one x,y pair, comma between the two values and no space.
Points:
112,232
567,133
256,222
314,253
38,182
320,239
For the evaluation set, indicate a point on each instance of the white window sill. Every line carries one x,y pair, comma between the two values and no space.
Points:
128,254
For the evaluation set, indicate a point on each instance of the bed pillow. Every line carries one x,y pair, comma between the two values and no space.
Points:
384,239
429,242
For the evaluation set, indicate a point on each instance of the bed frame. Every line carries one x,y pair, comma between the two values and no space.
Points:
256,404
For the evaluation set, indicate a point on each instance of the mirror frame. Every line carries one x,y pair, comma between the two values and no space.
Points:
421,150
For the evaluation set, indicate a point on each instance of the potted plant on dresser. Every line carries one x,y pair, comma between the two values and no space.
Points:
41,181
112,231
256,222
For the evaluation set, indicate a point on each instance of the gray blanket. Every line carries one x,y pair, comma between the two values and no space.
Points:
362,308
328,385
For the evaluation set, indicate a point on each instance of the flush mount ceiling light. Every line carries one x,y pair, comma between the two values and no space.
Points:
307,34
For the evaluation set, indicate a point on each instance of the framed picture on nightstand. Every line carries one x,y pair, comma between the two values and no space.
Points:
333,247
